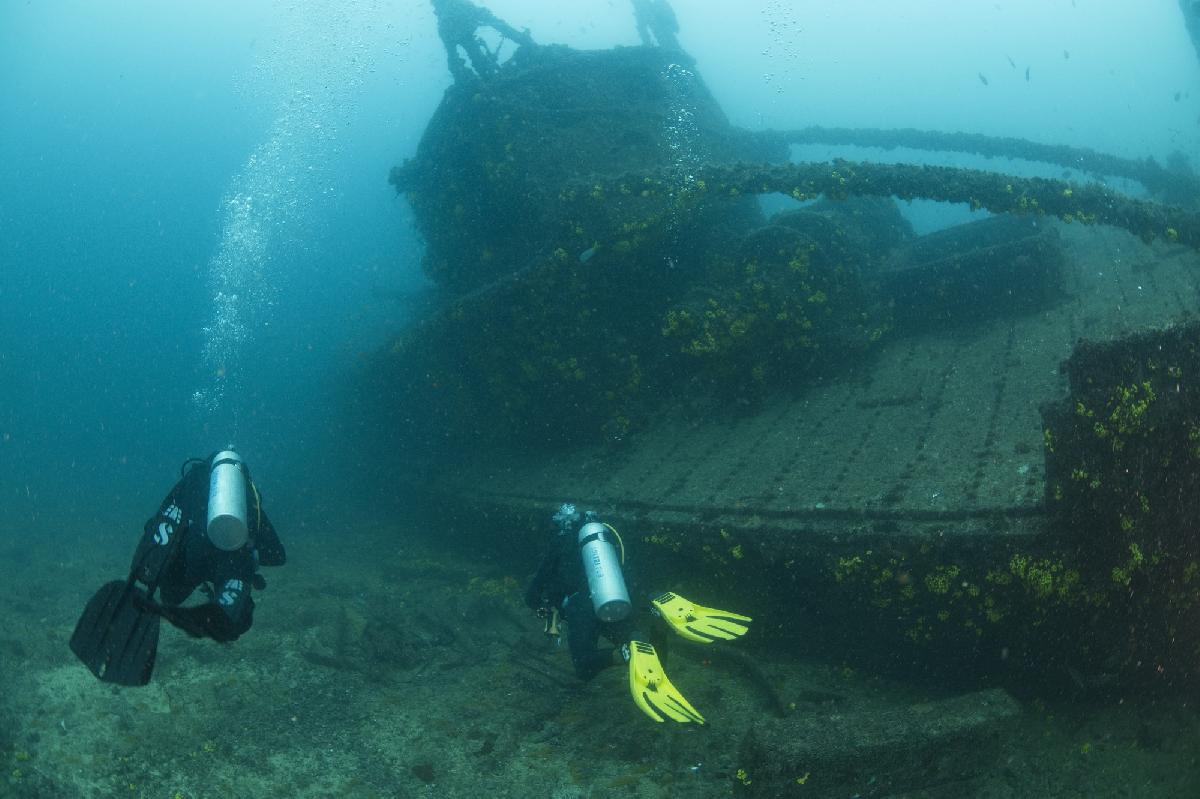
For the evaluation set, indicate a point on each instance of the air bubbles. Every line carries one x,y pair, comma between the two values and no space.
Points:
310,74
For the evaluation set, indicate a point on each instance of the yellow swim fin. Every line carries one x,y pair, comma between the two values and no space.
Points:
651,689
698,623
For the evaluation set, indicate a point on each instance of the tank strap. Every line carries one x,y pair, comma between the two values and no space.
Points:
602,536
593,537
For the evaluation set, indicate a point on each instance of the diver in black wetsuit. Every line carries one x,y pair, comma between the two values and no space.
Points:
187,544
582,580
559,591
210,532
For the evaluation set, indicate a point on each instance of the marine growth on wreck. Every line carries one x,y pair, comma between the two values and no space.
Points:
596,229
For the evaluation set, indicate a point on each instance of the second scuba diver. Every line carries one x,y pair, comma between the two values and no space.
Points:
209,532
581,582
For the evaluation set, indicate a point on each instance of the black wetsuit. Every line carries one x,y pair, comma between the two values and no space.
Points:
175,556
560,583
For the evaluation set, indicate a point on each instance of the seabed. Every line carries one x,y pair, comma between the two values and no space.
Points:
397,668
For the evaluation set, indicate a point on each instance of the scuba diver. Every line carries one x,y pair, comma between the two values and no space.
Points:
581,583
210,532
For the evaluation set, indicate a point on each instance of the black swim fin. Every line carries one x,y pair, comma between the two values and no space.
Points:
116,637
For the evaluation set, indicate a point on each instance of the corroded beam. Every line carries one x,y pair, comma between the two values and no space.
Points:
995,192
1179,185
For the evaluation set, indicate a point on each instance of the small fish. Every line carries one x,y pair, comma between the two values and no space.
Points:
983,79
1066,55
1027,74
1011,63
587,254
1178,95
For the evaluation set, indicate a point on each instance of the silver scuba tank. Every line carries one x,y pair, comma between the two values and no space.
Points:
602,565
227,502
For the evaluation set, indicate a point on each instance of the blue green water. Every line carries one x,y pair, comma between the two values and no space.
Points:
199,247
199,240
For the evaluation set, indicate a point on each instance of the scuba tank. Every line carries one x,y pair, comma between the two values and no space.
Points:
602,565
227,527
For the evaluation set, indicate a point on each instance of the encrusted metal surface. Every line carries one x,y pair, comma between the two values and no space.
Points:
938,434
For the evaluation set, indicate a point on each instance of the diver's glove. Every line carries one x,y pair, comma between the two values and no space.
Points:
698,623
652,691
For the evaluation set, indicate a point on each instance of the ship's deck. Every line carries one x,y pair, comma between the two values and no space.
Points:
939,434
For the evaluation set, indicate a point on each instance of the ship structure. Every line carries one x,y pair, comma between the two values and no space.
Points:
978,449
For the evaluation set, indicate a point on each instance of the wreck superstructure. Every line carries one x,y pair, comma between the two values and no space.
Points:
813,406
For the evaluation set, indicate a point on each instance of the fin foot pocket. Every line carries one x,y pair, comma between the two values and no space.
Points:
698,623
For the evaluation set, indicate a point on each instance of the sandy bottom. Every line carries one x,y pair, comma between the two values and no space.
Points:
383,667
